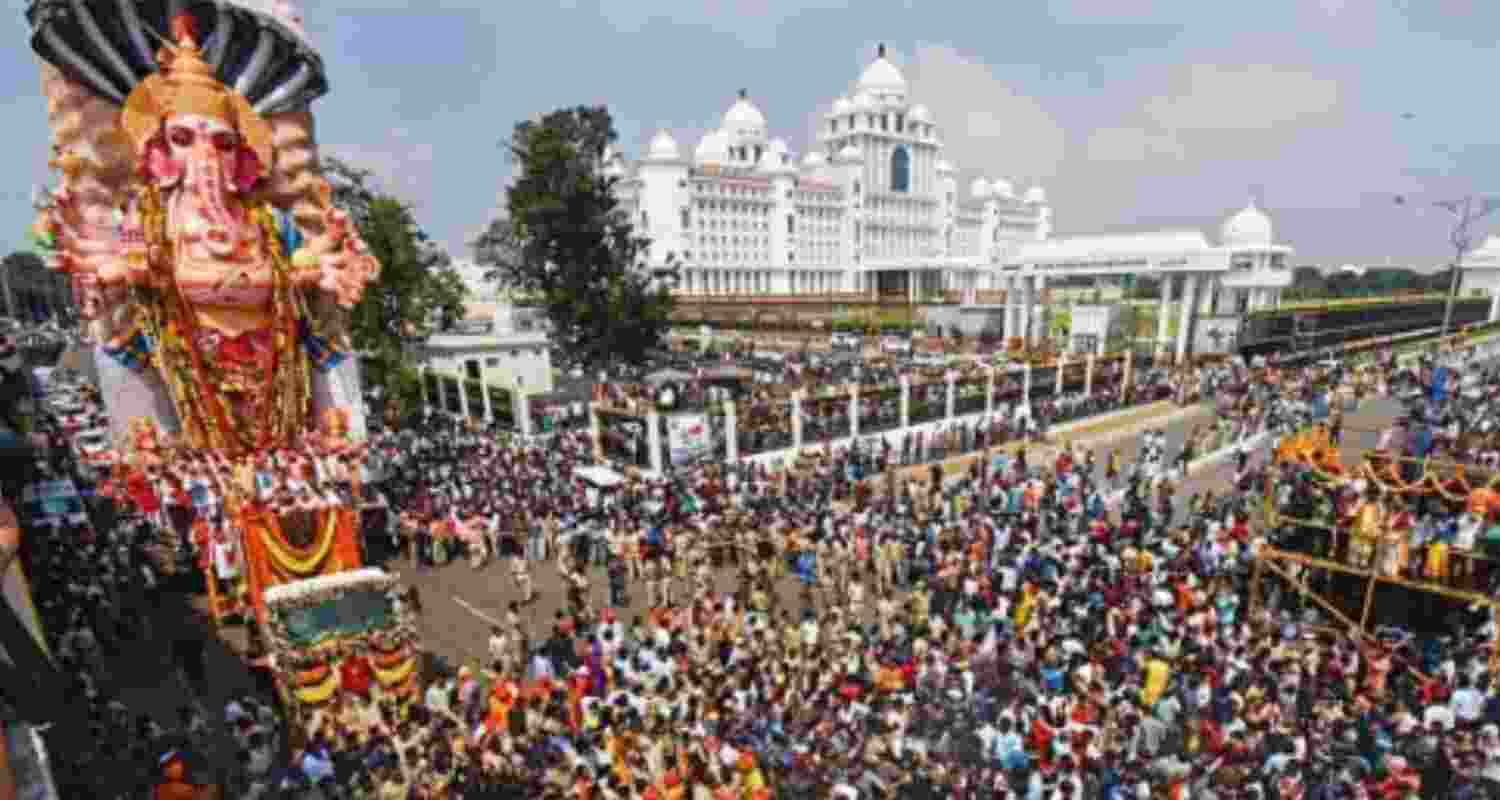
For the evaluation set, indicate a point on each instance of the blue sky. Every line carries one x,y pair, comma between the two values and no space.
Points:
1131,113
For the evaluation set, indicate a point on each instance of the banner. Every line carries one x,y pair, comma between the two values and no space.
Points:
688,437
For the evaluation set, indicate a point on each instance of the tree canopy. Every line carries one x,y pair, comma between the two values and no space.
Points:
417,291
568,244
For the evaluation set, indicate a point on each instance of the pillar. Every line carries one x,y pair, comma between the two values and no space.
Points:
1088,375
1185,323
653,440
463,397
952,407
1062,364
1206,297
1026,383
989,390
797,420
911,286
854,411
442,394
1125,379
520,405
489,406
1036,324
731,433
427,401
595,435
1162,310
905,401
1028,312
1494,313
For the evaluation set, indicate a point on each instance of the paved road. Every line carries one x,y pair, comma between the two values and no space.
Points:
459,636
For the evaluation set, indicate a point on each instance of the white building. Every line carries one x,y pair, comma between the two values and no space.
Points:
507,349
1481,274
874,208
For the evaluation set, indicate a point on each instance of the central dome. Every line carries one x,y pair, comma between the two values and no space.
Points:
882,77
743,117
1249,228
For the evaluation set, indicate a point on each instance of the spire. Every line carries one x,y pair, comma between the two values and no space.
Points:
744,94
880,51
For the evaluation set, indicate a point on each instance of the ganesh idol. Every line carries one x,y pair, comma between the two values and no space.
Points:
218,307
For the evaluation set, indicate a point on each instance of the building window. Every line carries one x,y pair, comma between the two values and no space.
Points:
687,221
758,152
492,362
856,187
471,369
645,221
833,126
900,170
900,123
885,122
791,224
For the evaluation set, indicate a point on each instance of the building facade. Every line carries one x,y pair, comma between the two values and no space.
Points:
873,208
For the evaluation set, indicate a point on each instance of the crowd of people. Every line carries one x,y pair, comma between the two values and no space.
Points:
1051,622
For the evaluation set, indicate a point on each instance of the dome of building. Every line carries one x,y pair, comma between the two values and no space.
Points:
614,169
1249,228
851,154
713,149
814,159
979,189
863,101
919,113
944,168
743,117
1036,195
842,106
663,147
1002,188
882,77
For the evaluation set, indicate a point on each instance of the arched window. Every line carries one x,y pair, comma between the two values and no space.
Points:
900,170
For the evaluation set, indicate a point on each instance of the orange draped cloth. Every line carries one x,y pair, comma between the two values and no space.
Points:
272,560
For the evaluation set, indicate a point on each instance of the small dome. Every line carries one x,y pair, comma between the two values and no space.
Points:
814,159
614,169
842,106
1249,228
663,147
864,101
919,113
1036,195
714,149
1002,188
744,117
851,154
778,146
944,168
979,189
882,77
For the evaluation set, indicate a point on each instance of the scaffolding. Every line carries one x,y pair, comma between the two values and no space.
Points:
1287,564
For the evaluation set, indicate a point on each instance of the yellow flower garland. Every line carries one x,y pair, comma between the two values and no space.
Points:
317,695
391,677
287,560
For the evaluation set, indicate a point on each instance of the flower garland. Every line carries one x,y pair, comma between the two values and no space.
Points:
299,562
320,693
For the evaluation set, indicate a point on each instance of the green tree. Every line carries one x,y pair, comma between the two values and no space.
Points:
418,290
569,246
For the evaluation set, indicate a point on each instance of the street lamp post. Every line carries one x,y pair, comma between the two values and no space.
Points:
1466,211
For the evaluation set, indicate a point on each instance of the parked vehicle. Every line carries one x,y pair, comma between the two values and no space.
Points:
846,340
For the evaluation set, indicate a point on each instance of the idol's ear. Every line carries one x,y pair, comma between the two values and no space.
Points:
157,163
248,170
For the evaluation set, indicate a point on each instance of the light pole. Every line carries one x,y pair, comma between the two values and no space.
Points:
1466,211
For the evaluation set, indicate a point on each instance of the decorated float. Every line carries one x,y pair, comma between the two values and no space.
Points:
217,279
346,633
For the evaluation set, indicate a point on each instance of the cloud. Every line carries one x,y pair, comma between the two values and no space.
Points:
1209,111
754,22
988,128
401,163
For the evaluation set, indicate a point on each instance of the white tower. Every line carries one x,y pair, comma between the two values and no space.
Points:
663,199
